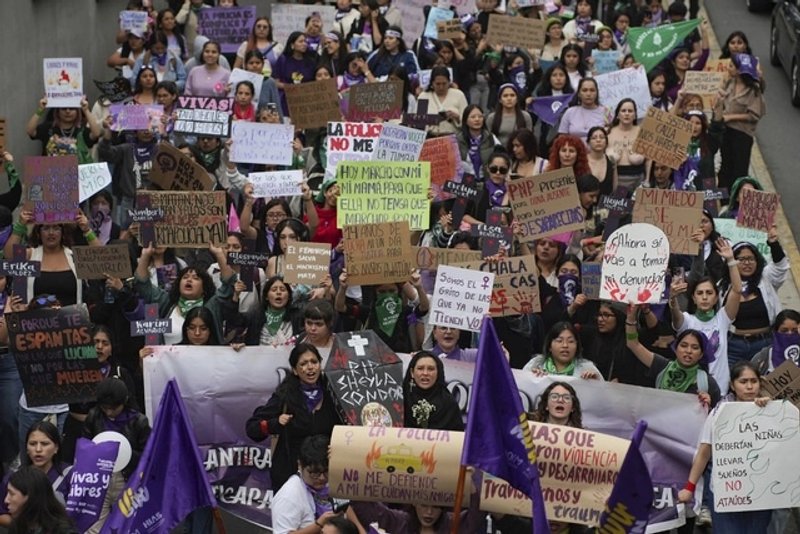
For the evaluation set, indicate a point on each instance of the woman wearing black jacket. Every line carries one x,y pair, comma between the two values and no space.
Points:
428,403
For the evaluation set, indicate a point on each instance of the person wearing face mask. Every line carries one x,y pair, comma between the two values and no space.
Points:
165,63
101,205
785,343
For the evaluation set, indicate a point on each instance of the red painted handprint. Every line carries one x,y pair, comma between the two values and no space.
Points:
615,291
648,291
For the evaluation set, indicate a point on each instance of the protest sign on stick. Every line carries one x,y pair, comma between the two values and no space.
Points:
757,209
151,327
378,253
663,137
676,213
635,264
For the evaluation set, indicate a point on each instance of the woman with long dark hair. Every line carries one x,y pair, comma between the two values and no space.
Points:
508,115
563,355
475,142
585,111
448,102
703,146
558,405
622,134
33,505
260,39
428,402
392,53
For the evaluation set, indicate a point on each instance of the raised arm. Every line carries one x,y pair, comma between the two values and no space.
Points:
676,288
632,338
735,294
246,218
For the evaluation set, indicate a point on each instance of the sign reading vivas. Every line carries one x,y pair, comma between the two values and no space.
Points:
55,356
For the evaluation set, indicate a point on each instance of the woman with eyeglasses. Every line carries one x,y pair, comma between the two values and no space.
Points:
445,345
563,355
260,39
558,405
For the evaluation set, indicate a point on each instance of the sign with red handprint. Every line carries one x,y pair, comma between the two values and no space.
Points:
635,264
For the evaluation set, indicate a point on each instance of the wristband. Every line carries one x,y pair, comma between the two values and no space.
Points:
689,486
40,112
20,229
632,335
264,427
631,324
90,236
733,263
317,523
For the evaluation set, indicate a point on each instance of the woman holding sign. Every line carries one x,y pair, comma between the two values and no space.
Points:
448,102
65,131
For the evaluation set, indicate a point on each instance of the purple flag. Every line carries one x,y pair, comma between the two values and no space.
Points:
497,439
169,481
550,108
88,482
628,507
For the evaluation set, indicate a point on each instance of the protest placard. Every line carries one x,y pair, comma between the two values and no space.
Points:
784,381
516,285
369,101
635,264
92,177
63,82
430,258
90,478
435,15
286,17
460,298
425,82
445,160
248,264
55,354
591,272
493,233
398,143
663,137
211,119
306,263
137,117
151,327
702,82
521,32
133,21
175,171
239,75
546,204
276,183
350,141
378,253
449,29
51,188
728,229
754,453
757,209
383,464
228,26
264,143
625,83
20,268
190,218
381,191
2,134
116,90
717,65
313,104
676,213
605,61
94,263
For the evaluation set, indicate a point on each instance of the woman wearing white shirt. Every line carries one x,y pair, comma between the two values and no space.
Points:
448,102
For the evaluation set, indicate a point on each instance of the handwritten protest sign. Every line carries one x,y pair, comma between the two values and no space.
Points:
757,209
577,470
369,101
175,171
276,183
445,160
377,253
306,263
228,26
313,104
264,143
702,82
239,75
605,61
94,263
207,116
717,65
63,82
728,229
635,264
249,264
384,464
55,354
784,381
676,213
663,137
137,117
625,83
51,188
449,29
92,177
591,273
286,17
521,32
151,327
116,90
546,204
365,377
133,21
461,298
21,268
190,219
754,452
516,285
350,141
430,258
398,143
373,191
435,15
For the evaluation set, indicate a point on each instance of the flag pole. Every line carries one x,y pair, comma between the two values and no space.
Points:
218,520
462,478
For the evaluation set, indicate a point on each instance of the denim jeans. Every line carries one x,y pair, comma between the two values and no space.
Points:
741,522
10,391
744,348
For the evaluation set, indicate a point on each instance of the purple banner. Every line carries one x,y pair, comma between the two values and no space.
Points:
89,479
137,117
229,26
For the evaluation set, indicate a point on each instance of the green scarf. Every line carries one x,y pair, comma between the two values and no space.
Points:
274,319
693,150
187,304
387,311
677,378
550,366
705,316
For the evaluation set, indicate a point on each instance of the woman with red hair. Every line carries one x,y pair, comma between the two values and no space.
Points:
569,151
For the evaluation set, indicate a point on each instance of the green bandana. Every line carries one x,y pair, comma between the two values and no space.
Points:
676,377
693,150
550,367
208,158
387,310
187,304
274,319
705,316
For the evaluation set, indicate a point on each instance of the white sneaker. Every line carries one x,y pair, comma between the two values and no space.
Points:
704,517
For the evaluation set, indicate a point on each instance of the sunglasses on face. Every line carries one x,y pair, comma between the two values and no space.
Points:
494,169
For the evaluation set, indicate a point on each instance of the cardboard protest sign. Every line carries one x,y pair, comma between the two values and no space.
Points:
350,141
784,381
461,298
133,21
240,75
757,209
493,233
306,263
625,83
676,213
189,218
728,229
92,177
51,188
94,263
276,183
377,191
175,171
263,143
521,32
449,29
2,134
366,379
465,191
430,258
436,15
635,264
754,456
137,117
377,253
55,354
313,104
701,82
398,143
663,137
546,204
369,101
445,160
591,273
249,264
516,285
228,26
577,470
116,90
287,17
605,61
206,116
395,465
63,82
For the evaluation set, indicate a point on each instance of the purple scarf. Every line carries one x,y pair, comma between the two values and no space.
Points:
785,347
313,393
496,193
474,154
322,500
121,421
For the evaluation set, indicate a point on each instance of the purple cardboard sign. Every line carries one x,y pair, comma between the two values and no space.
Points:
229,26
20,268
52,188
89,479
151,326
137,117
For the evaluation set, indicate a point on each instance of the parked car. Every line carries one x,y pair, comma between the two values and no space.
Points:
784,45
755,6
